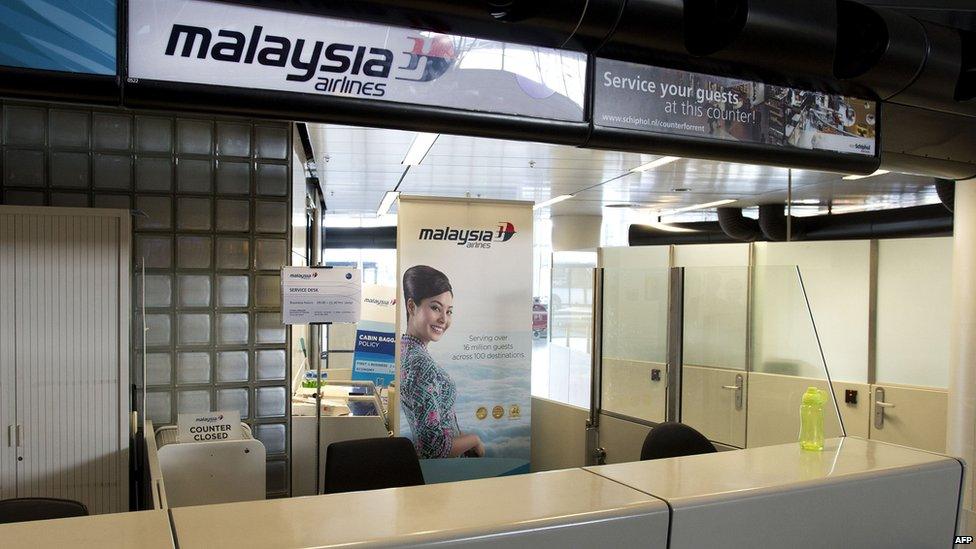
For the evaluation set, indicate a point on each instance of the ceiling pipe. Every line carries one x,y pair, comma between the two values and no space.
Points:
772,223
738,226
917,221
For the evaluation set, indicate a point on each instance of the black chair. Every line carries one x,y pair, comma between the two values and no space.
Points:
371,464
25,509
672,439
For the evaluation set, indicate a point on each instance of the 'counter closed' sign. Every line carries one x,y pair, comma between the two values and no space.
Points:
209,427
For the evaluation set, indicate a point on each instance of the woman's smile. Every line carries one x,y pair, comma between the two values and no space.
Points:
430,319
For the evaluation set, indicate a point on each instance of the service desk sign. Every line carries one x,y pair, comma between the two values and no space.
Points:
222,44
667,101
209,427
320,295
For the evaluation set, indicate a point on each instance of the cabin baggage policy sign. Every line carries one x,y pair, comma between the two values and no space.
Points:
465,330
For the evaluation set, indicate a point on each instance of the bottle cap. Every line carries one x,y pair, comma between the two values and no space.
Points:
814,396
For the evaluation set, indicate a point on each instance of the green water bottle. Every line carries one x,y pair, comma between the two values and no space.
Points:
812,420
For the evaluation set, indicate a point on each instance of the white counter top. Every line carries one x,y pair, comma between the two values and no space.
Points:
523,509
142,530
855,493
685,480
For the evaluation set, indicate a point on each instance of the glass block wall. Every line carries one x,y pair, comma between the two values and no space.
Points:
212,221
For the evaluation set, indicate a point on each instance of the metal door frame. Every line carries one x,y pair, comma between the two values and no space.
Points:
595,454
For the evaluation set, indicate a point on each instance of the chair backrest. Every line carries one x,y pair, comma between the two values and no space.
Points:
672,439
371,464
25,509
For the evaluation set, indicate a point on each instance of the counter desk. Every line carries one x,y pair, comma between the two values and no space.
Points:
569,508
855,493
141,529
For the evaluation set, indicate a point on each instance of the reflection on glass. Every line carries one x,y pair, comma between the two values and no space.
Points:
570,327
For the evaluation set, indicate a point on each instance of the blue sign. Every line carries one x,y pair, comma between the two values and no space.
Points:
77,36
374,358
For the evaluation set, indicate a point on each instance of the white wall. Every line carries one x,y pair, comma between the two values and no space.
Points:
837,278
913,311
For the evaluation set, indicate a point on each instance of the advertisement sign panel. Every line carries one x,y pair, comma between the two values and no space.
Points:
218,43
668,101
465,329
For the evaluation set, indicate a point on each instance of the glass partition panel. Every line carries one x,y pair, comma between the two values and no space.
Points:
570,334
787,358
635,343
749,353
715,333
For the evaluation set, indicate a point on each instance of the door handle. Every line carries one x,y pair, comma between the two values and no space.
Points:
10,435
879,407
20,435
738,391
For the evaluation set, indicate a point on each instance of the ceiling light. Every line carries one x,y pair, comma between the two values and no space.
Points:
552,201
421,145
853,177
655,163
388,199
669,228
704,206
856,208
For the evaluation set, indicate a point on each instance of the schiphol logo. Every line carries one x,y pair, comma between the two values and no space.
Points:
471,238
345,67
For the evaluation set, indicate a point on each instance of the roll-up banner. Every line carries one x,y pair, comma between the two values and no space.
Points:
667,101
220,44
465,332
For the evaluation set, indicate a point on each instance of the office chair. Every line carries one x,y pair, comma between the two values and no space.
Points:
25,509
673,439
371,464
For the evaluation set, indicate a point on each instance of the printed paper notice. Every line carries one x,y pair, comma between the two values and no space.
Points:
319,295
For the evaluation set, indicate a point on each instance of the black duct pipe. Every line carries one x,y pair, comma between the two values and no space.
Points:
737,226
946,189
383,238
772,222
931,220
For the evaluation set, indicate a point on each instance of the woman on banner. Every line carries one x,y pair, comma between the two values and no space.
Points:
427,392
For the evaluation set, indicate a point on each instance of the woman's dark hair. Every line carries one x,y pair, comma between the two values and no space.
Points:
421,282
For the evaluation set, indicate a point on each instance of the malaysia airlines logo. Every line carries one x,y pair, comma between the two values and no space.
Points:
471,238
436,52
331,67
